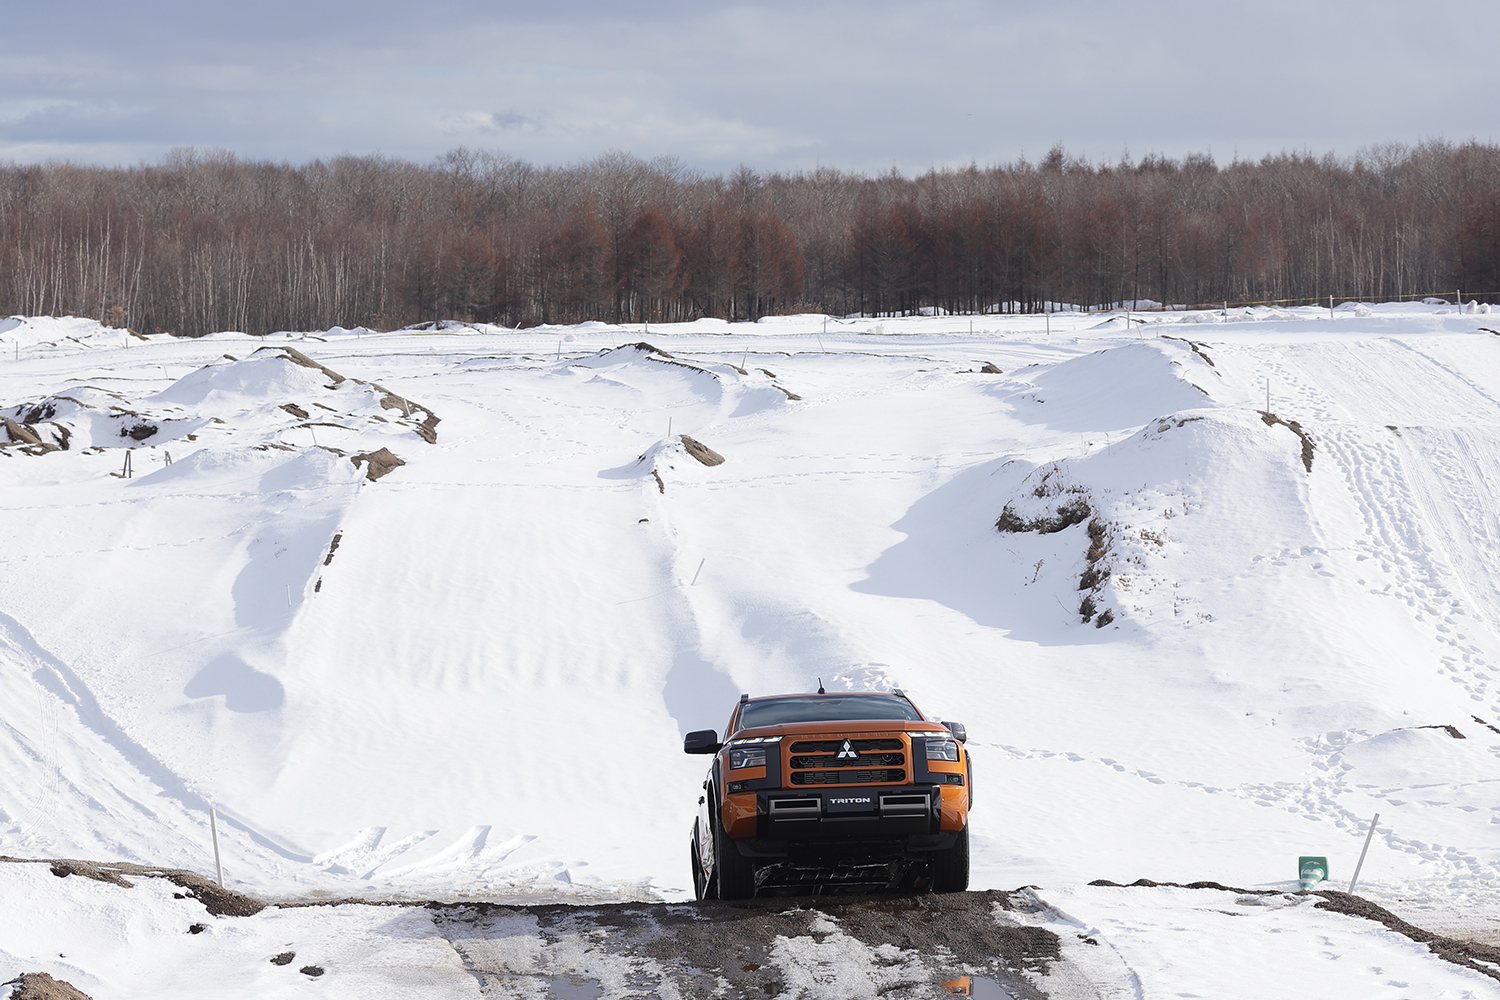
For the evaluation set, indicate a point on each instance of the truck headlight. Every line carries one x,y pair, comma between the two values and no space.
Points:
942,750
750,757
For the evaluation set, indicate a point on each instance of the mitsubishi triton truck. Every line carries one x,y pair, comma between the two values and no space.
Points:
823,792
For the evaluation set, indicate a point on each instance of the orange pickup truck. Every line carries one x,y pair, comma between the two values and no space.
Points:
853,790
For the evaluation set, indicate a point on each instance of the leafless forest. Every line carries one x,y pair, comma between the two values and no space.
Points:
204,241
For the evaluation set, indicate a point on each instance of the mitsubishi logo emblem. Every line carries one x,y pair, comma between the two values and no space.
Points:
847,752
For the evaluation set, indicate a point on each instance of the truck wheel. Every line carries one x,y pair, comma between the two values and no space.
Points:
703,887
950,868
734,874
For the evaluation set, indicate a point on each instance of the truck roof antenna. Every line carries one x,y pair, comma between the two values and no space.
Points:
820,686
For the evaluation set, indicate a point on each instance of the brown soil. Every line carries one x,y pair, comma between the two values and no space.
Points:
297,357
333,547
217,900
701,451
659,484
1074,511
40,986
1450,730
20,432
707,946
139,432
380,462
988,368
295,410
1197,349
1271,420
427,428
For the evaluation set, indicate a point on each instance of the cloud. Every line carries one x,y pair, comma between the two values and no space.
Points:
774,84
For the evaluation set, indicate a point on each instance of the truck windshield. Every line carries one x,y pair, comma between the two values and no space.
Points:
825,708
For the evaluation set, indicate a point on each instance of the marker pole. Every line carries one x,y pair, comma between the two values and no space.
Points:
213,826
1368,837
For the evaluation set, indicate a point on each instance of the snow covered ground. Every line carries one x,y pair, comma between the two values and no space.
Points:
469,678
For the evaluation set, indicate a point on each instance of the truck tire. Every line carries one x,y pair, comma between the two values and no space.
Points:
950,868
734,874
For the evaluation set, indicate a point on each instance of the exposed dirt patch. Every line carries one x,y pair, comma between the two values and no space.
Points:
38,413
1483,958
641,345
138,432
988,368
295,410
701,451
40,986
21,433
217,900
379,463
285,958
1272,420
1196,348
659,484
333,547
789,393
427,428
297,357
730,949
1450,730
1069,513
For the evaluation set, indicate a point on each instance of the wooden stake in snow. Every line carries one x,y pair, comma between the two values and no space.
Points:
313,431
700,570
213,826
1268,395
1368,837
289,595
125,473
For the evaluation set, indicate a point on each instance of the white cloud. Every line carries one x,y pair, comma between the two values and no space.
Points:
773,84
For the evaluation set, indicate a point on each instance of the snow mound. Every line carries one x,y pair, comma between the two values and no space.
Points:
53,336
1114,526
1114,388
264,376
1414,757
91,417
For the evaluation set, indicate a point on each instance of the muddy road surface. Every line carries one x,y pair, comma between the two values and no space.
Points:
983,944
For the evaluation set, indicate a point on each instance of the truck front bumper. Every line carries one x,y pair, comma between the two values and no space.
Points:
871,821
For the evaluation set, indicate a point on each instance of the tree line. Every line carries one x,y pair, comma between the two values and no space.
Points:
206,241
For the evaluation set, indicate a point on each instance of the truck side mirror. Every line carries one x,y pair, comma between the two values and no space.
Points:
702,741
959,732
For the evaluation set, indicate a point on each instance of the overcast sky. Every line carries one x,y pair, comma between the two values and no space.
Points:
774,84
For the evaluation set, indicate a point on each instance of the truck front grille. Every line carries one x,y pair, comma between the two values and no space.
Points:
864,760
848,777
834,746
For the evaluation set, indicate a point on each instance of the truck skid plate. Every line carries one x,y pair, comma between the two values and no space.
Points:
799,877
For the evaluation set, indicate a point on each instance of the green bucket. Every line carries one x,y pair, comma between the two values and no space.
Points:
1311,871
